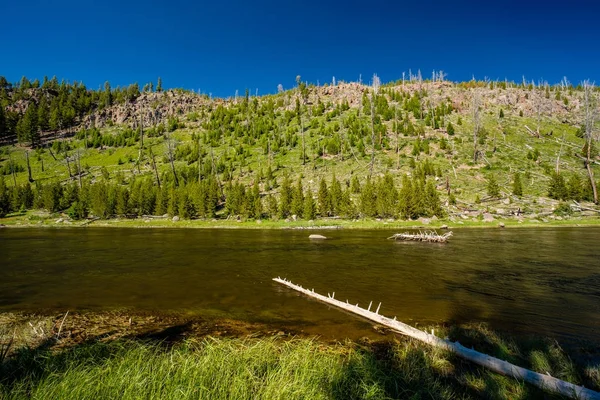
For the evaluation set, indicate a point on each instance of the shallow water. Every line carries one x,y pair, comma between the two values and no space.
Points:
543,281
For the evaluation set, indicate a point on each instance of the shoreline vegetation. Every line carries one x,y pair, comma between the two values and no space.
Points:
132,355
41,219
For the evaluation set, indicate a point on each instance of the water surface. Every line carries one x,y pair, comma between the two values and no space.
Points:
543,281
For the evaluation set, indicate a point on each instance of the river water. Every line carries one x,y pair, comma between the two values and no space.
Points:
542,281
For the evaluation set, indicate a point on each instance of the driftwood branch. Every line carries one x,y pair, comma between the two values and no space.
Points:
582,208
545,382
427,236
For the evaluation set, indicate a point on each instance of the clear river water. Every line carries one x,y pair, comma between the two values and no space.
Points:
542,281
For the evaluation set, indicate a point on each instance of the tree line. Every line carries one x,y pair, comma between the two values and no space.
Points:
208,198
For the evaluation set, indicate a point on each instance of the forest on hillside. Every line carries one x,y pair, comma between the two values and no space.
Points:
406,149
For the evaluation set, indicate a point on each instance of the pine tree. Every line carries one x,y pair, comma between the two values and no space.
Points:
434,206
285,198
368,199
355,185
159,87
419,200
387,197
517,185
336,195
575,188
272,206
493,190
450,129
324,199
4,198
405,198
3,124
297,206
310,209
557,189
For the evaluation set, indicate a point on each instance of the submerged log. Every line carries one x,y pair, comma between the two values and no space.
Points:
426,236
502,367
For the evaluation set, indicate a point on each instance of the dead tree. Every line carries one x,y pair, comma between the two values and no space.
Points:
376,84
171,145
28,166
589,119
476,123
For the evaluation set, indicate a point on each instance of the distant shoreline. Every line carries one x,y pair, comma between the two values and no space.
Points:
37,220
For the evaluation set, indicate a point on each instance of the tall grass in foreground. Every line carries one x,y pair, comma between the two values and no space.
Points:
249,369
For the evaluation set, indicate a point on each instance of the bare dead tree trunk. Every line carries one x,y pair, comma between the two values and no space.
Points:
372,136
397,140
376,84
199,161
589,119
79,167
28,166
141,153
476,124
170,151
68,164
559,154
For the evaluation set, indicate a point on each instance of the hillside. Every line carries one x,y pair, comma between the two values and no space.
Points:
399,150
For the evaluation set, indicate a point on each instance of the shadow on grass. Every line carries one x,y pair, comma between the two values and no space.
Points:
397,369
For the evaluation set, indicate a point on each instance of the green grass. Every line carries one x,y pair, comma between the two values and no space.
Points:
109,360
250,369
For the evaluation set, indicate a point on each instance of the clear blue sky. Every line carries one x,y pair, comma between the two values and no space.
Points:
222,46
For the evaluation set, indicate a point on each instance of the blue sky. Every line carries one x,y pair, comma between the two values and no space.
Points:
219,47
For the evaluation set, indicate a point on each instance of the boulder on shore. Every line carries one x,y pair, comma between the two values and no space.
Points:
317,237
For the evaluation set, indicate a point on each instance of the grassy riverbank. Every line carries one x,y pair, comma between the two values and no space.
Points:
274,366
45,219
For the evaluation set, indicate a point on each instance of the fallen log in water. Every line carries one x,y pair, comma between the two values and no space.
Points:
542,381
426,236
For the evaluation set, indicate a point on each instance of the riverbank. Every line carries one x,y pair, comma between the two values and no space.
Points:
123,355
40,219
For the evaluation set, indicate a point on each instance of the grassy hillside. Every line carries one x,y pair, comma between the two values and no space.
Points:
412,128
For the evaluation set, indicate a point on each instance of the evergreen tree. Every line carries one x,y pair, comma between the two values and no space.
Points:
493,190
405,198
159,87
336,195
368,199
4,198
297,206
257,207
272,206
285,198
387,197
450,129
324,199
355,185
434,206
575,188
310,209
99,199
3,123
517,185
173,203
419,201
43,114
557,188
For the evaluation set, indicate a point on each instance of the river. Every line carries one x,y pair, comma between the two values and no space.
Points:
542,281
